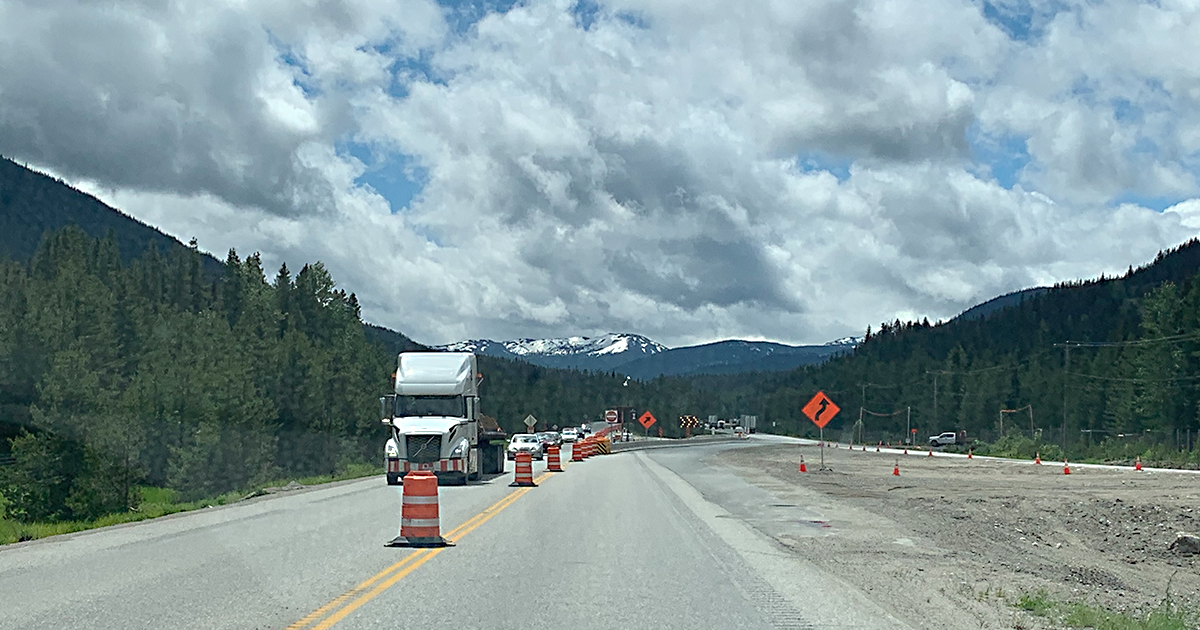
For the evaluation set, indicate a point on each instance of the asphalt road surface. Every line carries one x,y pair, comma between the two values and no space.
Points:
658,539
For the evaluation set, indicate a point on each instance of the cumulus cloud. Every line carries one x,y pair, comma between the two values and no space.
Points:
687,170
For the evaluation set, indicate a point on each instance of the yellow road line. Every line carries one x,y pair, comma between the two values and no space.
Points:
406,566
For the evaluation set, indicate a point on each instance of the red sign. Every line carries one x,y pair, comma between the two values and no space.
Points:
610,415
821,410
647,420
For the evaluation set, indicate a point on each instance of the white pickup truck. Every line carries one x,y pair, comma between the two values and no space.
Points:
944,439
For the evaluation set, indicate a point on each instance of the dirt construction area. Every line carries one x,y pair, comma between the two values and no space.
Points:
953,543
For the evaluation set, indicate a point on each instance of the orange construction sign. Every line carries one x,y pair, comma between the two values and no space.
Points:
647,420
821,410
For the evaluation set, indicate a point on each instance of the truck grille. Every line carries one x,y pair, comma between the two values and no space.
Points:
423,449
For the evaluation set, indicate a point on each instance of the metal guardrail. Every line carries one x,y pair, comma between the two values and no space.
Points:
7,460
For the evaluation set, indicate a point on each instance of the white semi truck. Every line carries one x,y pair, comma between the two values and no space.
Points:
434,419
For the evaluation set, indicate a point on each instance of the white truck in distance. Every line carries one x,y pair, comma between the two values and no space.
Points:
434,419
945,439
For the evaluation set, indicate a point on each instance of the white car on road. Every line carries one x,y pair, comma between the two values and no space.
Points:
525,443
570,435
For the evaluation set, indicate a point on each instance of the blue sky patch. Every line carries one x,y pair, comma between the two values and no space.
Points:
1004,156
1016,24
1022,21
816,161
586,13
463,14
636,20
396,177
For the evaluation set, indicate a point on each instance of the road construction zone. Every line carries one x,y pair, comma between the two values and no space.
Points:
932,532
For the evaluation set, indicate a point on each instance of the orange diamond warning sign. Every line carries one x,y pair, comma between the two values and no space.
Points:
821,410
647,420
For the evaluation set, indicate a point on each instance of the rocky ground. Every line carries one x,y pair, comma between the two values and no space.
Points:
953,543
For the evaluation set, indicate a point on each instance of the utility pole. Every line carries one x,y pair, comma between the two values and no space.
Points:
935,409
1066,375
908,425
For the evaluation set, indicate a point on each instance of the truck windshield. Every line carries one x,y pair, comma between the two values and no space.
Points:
431,406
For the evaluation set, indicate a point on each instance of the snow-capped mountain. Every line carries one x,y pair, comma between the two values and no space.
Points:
735,356
582,353
643,358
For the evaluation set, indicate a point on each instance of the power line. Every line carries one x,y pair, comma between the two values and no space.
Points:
1135,380
1138,342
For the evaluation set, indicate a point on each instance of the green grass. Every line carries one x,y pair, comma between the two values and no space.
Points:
1164,616
158,502
1038,603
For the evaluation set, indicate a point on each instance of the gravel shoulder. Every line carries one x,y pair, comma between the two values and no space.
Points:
951,542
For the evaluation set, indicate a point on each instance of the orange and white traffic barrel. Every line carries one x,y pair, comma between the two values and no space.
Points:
577,451
420,525
553,464
524,475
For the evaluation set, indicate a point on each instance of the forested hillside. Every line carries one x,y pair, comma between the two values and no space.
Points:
32,204
115,376
1134,366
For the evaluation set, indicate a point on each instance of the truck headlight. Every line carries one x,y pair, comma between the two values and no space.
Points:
459,450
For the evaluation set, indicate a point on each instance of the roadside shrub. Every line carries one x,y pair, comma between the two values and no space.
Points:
39,480
53,479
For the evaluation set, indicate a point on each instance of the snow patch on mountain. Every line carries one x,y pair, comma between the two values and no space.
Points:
602,352
610,344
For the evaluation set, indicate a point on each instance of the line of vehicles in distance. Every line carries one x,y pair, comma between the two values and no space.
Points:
536,443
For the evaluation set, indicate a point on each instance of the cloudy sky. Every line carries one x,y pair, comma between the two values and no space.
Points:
685,169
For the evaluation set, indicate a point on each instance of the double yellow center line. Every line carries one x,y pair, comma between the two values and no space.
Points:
351,600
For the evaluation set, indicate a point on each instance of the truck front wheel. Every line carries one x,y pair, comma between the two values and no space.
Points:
393,479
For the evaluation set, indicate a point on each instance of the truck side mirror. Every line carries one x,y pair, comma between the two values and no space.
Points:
387,406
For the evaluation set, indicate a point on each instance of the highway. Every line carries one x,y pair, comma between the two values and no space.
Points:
656,539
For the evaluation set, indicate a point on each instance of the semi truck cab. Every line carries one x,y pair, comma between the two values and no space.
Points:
434,416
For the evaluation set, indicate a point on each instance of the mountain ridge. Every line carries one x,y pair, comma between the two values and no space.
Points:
33,203
642,358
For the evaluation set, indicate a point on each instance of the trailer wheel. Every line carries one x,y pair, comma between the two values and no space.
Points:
393,479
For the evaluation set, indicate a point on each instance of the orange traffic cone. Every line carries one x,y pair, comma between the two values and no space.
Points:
971,454
1037,459
864,448
524,474
803,468
877,447
931,452
553,464
1066,468
896,469
419,522
1137,464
